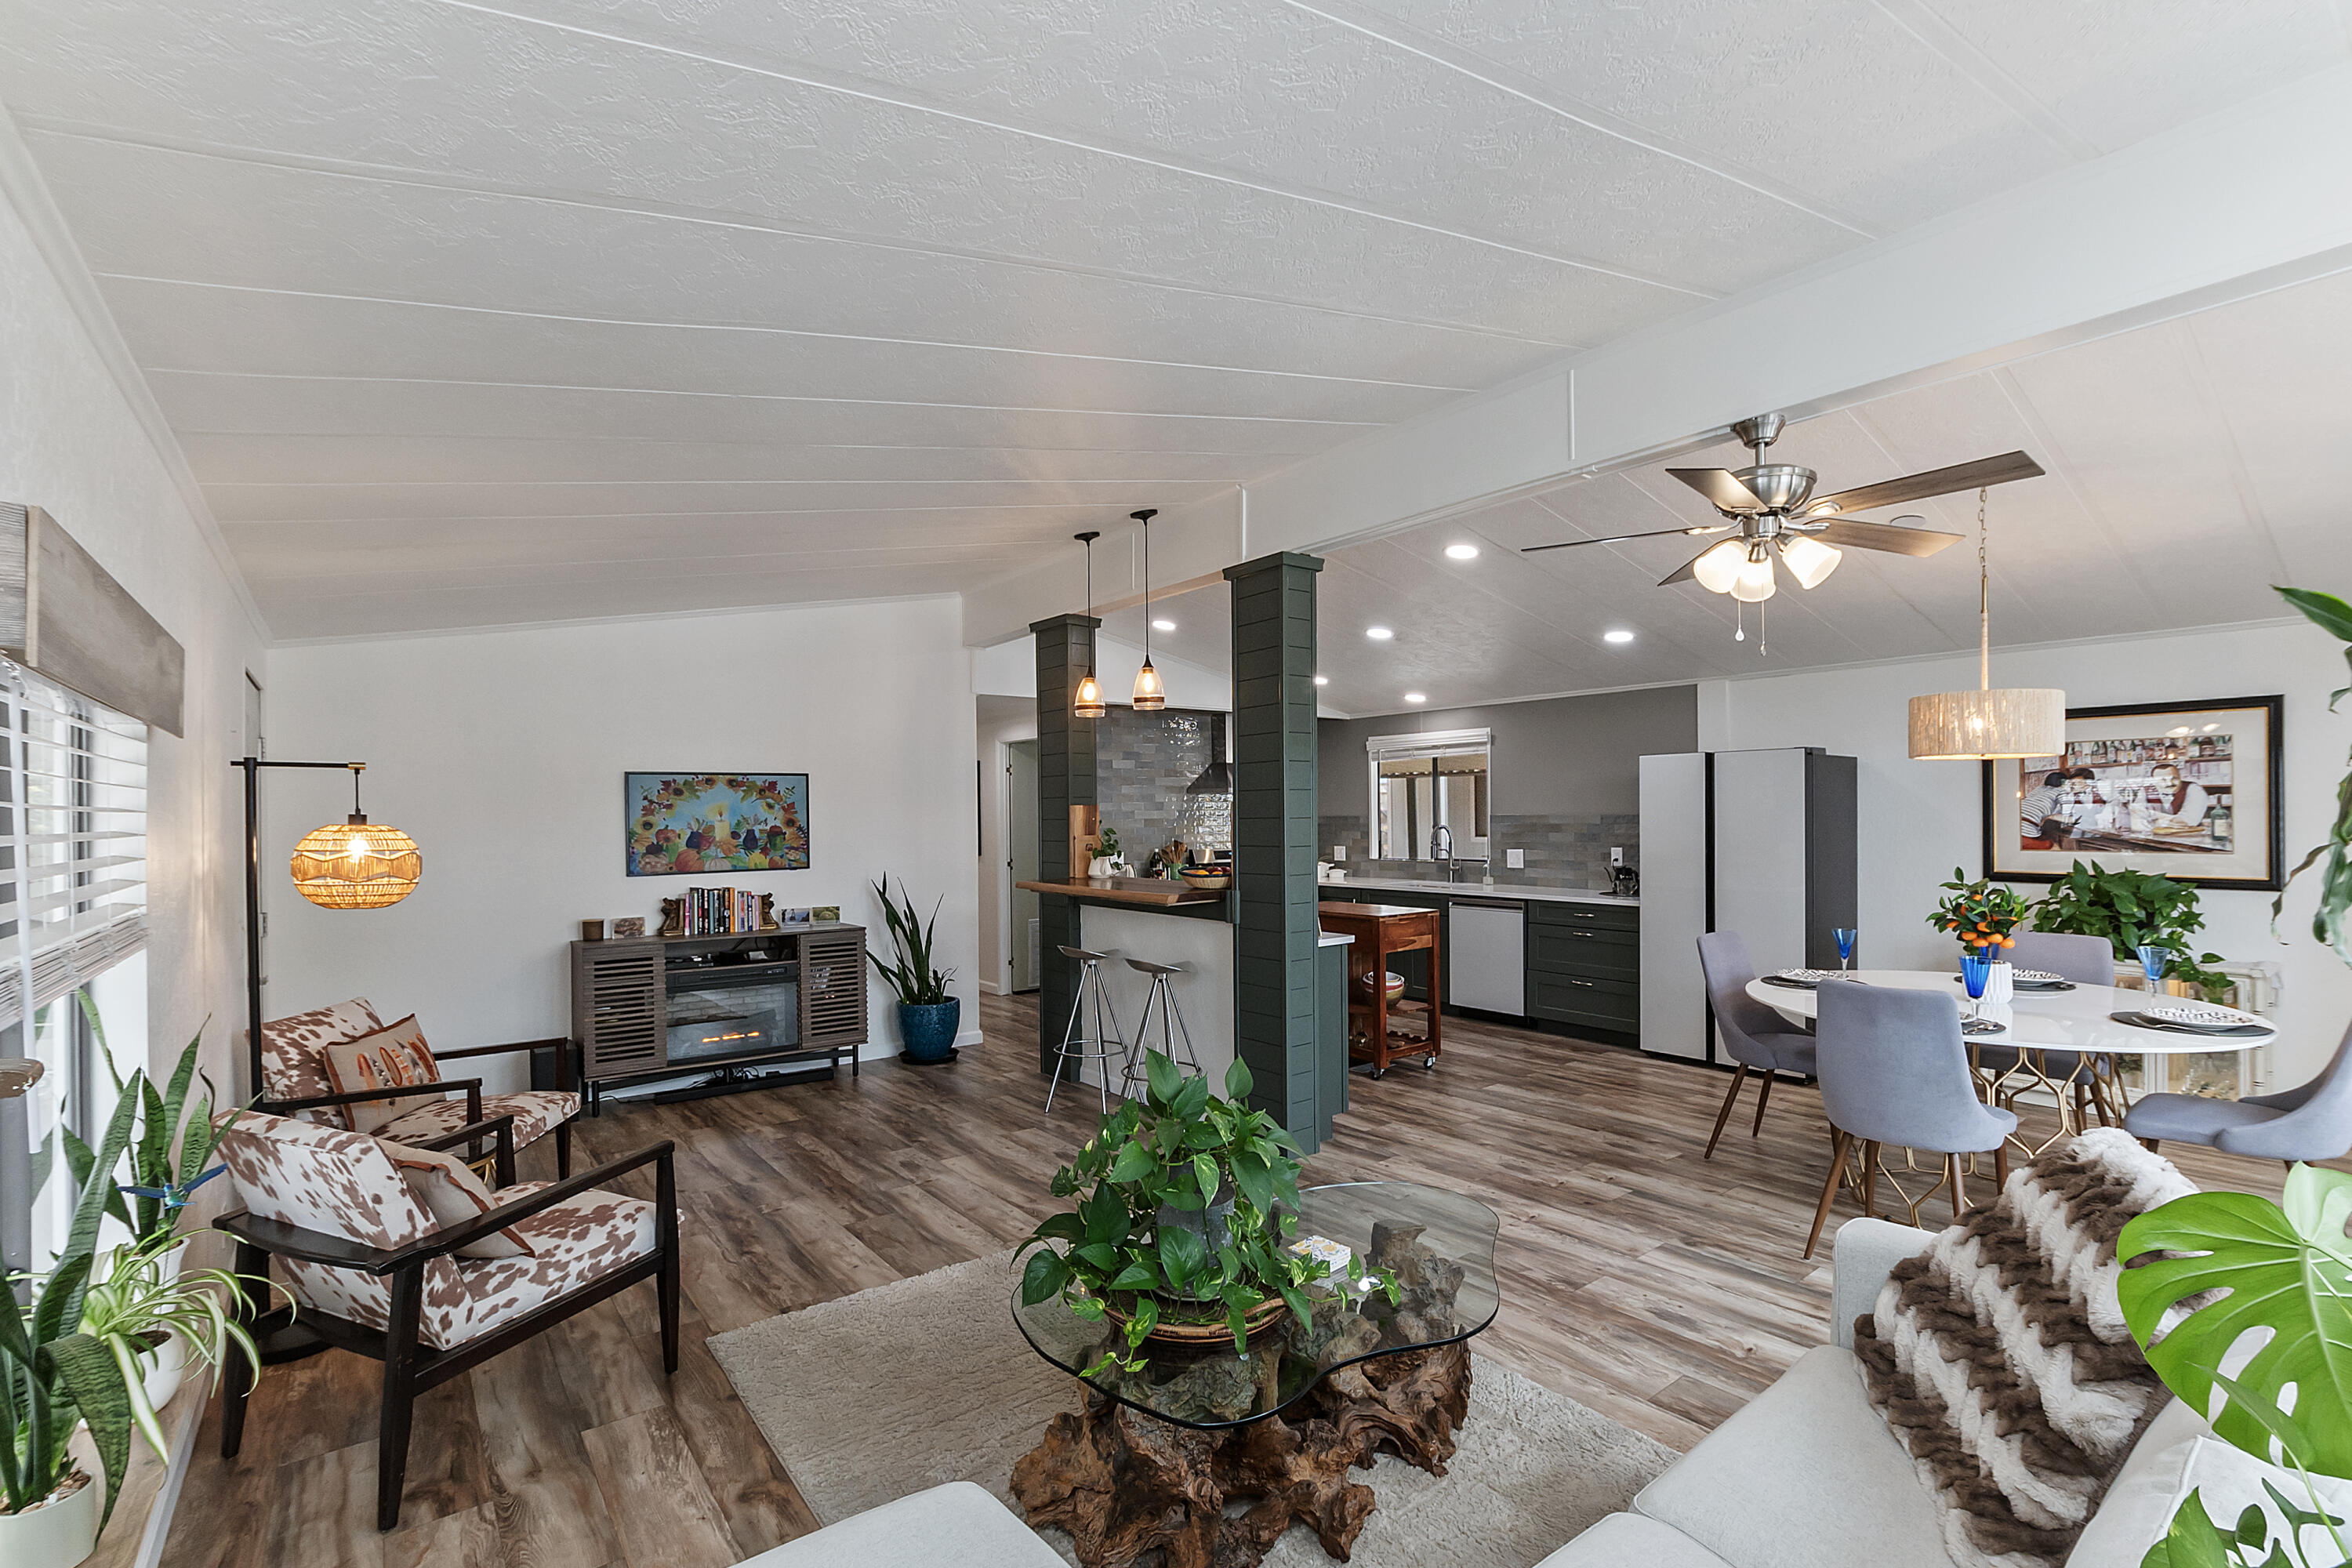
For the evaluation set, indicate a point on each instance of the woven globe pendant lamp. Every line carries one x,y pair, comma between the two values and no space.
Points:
1990,723
356,864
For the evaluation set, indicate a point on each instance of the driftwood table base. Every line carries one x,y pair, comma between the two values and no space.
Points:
1132,1489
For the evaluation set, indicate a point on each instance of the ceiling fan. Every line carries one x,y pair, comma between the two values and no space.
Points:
1773,507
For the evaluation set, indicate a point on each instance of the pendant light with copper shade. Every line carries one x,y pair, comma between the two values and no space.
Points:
1089,703
1150,695
1990,722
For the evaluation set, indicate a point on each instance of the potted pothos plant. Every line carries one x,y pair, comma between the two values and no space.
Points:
2134,909
1178,1220
927,1015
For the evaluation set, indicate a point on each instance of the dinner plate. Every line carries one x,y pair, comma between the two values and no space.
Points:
1800,979
2214,1032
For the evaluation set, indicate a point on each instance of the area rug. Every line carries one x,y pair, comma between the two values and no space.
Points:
898,1388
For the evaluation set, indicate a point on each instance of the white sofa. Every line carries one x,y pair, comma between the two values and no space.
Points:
1807,1475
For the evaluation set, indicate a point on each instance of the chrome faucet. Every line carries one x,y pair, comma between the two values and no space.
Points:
1441,848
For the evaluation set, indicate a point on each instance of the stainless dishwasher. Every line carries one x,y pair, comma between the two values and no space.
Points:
1487,955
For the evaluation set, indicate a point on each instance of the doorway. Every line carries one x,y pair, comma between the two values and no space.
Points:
1021,858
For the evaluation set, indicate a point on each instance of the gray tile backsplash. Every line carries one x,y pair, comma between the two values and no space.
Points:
1567,850
1142,764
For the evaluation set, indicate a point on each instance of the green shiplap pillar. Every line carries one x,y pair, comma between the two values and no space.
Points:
1275,924
1065,777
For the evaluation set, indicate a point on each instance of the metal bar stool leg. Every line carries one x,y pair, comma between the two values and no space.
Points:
1192,1057
1077,1044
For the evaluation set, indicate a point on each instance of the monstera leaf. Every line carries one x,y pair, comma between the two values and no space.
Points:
2288,1271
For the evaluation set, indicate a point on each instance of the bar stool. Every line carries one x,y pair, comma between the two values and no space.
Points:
1079,1045
1131,1081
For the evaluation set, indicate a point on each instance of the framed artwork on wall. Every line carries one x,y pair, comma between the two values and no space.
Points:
694,824
2188,789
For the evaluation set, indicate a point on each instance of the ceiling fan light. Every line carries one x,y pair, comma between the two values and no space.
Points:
1809,561
1720,567
1756,581
1986,724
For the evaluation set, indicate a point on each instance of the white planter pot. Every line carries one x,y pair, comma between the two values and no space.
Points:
2000,984
161,1369
59,1534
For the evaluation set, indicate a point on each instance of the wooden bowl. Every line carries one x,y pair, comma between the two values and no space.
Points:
1256,1321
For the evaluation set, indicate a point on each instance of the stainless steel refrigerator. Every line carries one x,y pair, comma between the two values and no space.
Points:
1758,842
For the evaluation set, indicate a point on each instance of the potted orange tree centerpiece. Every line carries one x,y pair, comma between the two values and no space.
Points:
1984,916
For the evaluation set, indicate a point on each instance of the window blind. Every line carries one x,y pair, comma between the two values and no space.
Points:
73,840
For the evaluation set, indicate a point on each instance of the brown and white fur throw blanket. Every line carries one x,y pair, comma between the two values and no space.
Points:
1999,1356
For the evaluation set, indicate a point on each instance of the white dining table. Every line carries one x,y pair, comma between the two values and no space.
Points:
2038,1021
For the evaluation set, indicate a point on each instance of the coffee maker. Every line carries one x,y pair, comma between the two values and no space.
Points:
1624,881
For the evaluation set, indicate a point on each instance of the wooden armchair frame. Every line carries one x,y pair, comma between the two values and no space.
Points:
472,1086
410,1366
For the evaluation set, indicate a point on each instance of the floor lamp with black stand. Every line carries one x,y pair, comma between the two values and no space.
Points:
350,865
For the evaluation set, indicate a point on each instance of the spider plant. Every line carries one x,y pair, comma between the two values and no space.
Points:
141,1297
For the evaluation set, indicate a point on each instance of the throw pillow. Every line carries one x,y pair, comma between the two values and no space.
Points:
395,1056
454,1194
2000,1358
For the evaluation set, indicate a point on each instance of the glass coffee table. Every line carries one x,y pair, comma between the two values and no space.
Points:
1137,1468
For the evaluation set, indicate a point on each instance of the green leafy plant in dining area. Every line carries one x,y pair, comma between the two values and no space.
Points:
1126,1248
910,972
1980,913
2331,922
2279,1271
2132,909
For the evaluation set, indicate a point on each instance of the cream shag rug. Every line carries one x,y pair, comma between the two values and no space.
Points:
898,1388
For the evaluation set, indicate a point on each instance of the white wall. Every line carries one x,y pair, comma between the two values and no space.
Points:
1010,670
502,753
72,441
1919,820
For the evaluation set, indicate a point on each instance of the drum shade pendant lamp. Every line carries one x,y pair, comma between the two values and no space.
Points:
1089,701
356,864
1150,695
1989,722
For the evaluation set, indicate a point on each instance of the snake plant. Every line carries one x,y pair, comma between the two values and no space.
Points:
910,972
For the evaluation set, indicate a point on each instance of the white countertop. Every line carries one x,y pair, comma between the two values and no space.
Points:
1476,890
1333,939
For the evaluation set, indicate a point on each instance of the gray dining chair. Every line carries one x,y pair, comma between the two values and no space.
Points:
2310,1123
1894,1070
2085,961
1758,1038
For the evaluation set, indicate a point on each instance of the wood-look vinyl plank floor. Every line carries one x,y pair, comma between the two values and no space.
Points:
1655,1287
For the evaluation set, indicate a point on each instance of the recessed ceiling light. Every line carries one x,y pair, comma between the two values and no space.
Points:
1620,635
1322,680
1461,552
1379,634
1416,696
1163,626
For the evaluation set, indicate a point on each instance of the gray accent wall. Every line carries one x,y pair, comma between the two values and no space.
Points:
1566,778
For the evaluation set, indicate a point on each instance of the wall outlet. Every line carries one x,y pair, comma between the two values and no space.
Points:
1515,859
1616,856
1338,852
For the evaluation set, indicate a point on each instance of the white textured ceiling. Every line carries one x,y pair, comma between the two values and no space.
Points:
471,315
2190,466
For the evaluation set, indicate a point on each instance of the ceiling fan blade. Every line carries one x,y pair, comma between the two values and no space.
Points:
1858,534
1972,476
1620,538
1683,573
1721,487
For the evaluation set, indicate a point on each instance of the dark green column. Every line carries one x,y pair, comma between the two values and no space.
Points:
1065,777
1275,924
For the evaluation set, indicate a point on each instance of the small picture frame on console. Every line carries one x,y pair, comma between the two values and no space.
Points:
796,918
629,925
2188,789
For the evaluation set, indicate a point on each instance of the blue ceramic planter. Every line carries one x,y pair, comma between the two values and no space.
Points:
929,1030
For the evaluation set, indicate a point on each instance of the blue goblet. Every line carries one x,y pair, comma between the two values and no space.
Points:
1844,935
2153,961
1976,973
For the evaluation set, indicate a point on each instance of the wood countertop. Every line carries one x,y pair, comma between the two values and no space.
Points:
1146,892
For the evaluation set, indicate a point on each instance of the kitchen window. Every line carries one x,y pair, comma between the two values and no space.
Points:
1432,794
